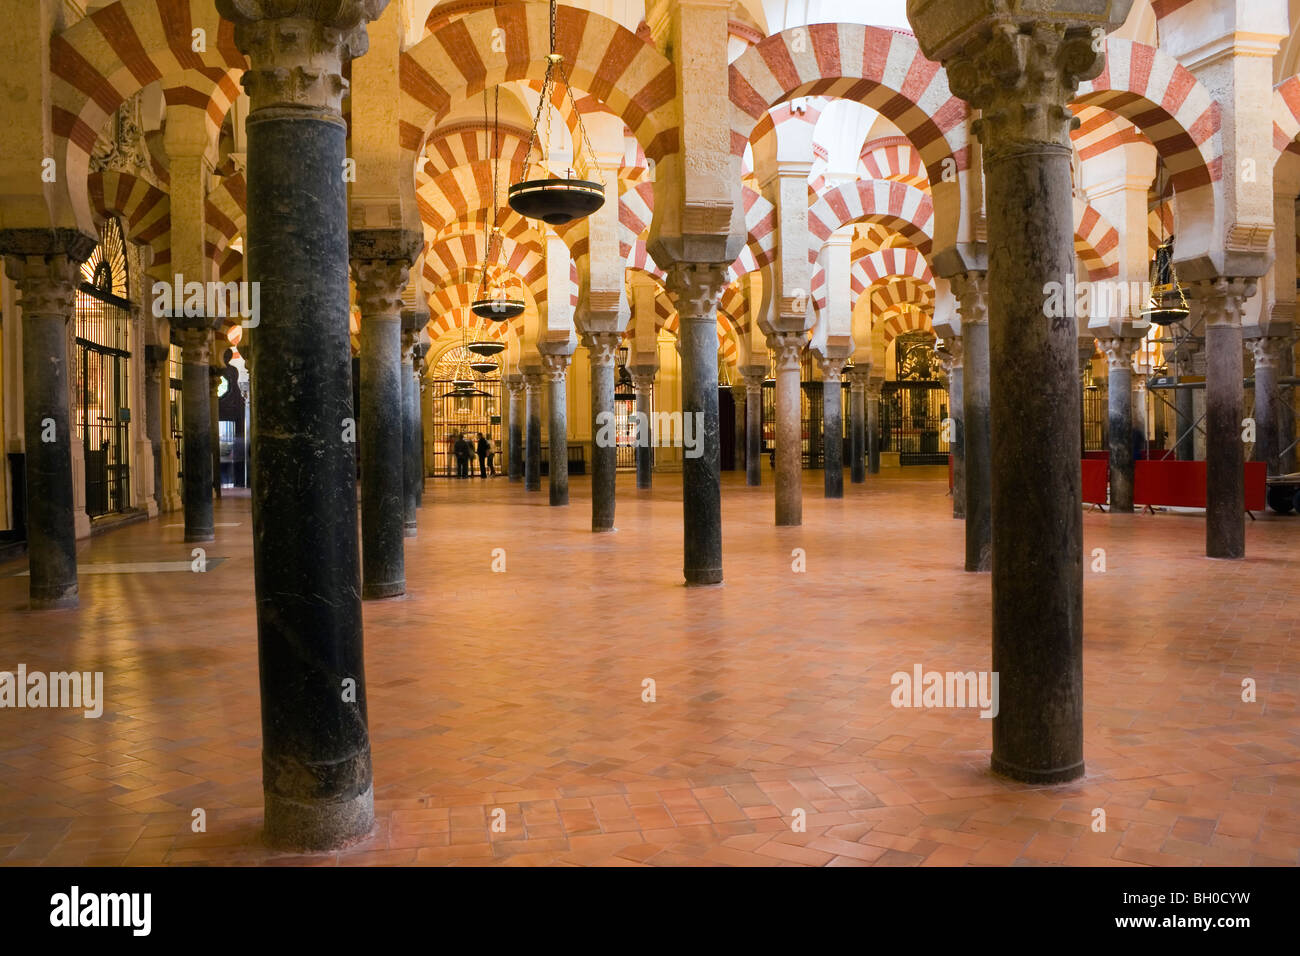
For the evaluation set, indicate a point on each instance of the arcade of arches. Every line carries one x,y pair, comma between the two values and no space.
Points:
813,522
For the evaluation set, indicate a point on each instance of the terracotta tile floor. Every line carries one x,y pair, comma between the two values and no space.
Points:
522,691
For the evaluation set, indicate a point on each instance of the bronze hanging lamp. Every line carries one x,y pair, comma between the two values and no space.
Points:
1168,302
495,305
556,201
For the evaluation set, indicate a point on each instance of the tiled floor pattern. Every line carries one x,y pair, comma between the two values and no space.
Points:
523,691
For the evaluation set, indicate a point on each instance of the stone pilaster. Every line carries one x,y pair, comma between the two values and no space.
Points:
972,291
832,424
602,350
381,274
954,366
555,370
315,738
1223,300
1270,354
696,288
1020,72
533,429
1119,391
859,379
643,388
195,339
45,265
788,347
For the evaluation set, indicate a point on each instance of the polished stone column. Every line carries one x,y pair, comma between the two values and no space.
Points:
953,363
696,289
195,333
515,386
156,371
214,415
754,426
316,772
1269,353
789,427
45,264
643,387
1185,411
602,350
1119,400
833,426
1020,75
410,428
381,263
555,369
415,465
873,426
1223,302
533,433
859,379
972,291
738,403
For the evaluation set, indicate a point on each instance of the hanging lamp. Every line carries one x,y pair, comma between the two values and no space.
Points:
552,200
495,305
1168,303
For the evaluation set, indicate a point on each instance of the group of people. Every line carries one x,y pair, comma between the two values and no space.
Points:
463,449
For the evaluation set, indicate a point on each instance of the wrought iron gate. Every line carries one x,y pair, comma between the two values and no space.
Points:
452,414
912,417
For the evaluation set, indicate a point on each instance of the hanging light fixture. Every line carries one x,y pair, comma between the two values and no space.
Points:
1168,303
556,201
495,305
483,368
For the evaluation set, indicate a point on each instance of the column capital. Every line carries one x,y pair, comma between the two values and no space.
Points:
1269,351
972,292
1119,351
602,347
1223,299
514,383
696,288
859,376
753,376
379,286
48,283
1020,76
555,366
788,347
832,366
643,376
296,48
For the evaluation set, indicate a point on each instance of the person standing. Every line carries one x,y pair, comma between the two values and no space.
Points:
484,450
462,456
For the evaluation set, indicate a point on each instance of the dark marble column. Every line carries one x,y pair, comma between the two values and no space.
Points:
602,350
859,378
1269,353
381,263
156,371
954,346
972,291
873,426
410,427
316,769
789,427
1021,75
696,289
643,387
1223,302
754,427
515,464
533,433
555,369
738,403
415,463
214,415
1185,408
195,333
45,264
833,426
1119,400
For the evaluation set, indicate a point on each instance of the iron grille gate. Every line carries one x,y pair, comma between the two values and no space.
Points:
911,421
625,431
105,426
451,414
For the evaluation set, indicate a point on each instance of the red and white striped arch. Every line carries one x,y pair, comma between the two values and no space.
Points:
894,158
1096,242
145,211
759,251
897,206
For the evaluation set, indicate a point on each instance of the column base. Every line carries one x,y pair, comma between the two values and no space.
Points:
1025,775
376,592
291,825
602,528
60,602
704,577
410,531
192,537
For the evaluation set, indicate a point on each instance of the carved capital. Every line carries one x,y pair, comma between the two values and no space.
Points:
602,347
972,292
48,283
1021,76
1269,351
832,367
643,377
696,288
788,347
555,367
1119,352
952,353
532,381
1223,300
379,286
196,346
297,48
